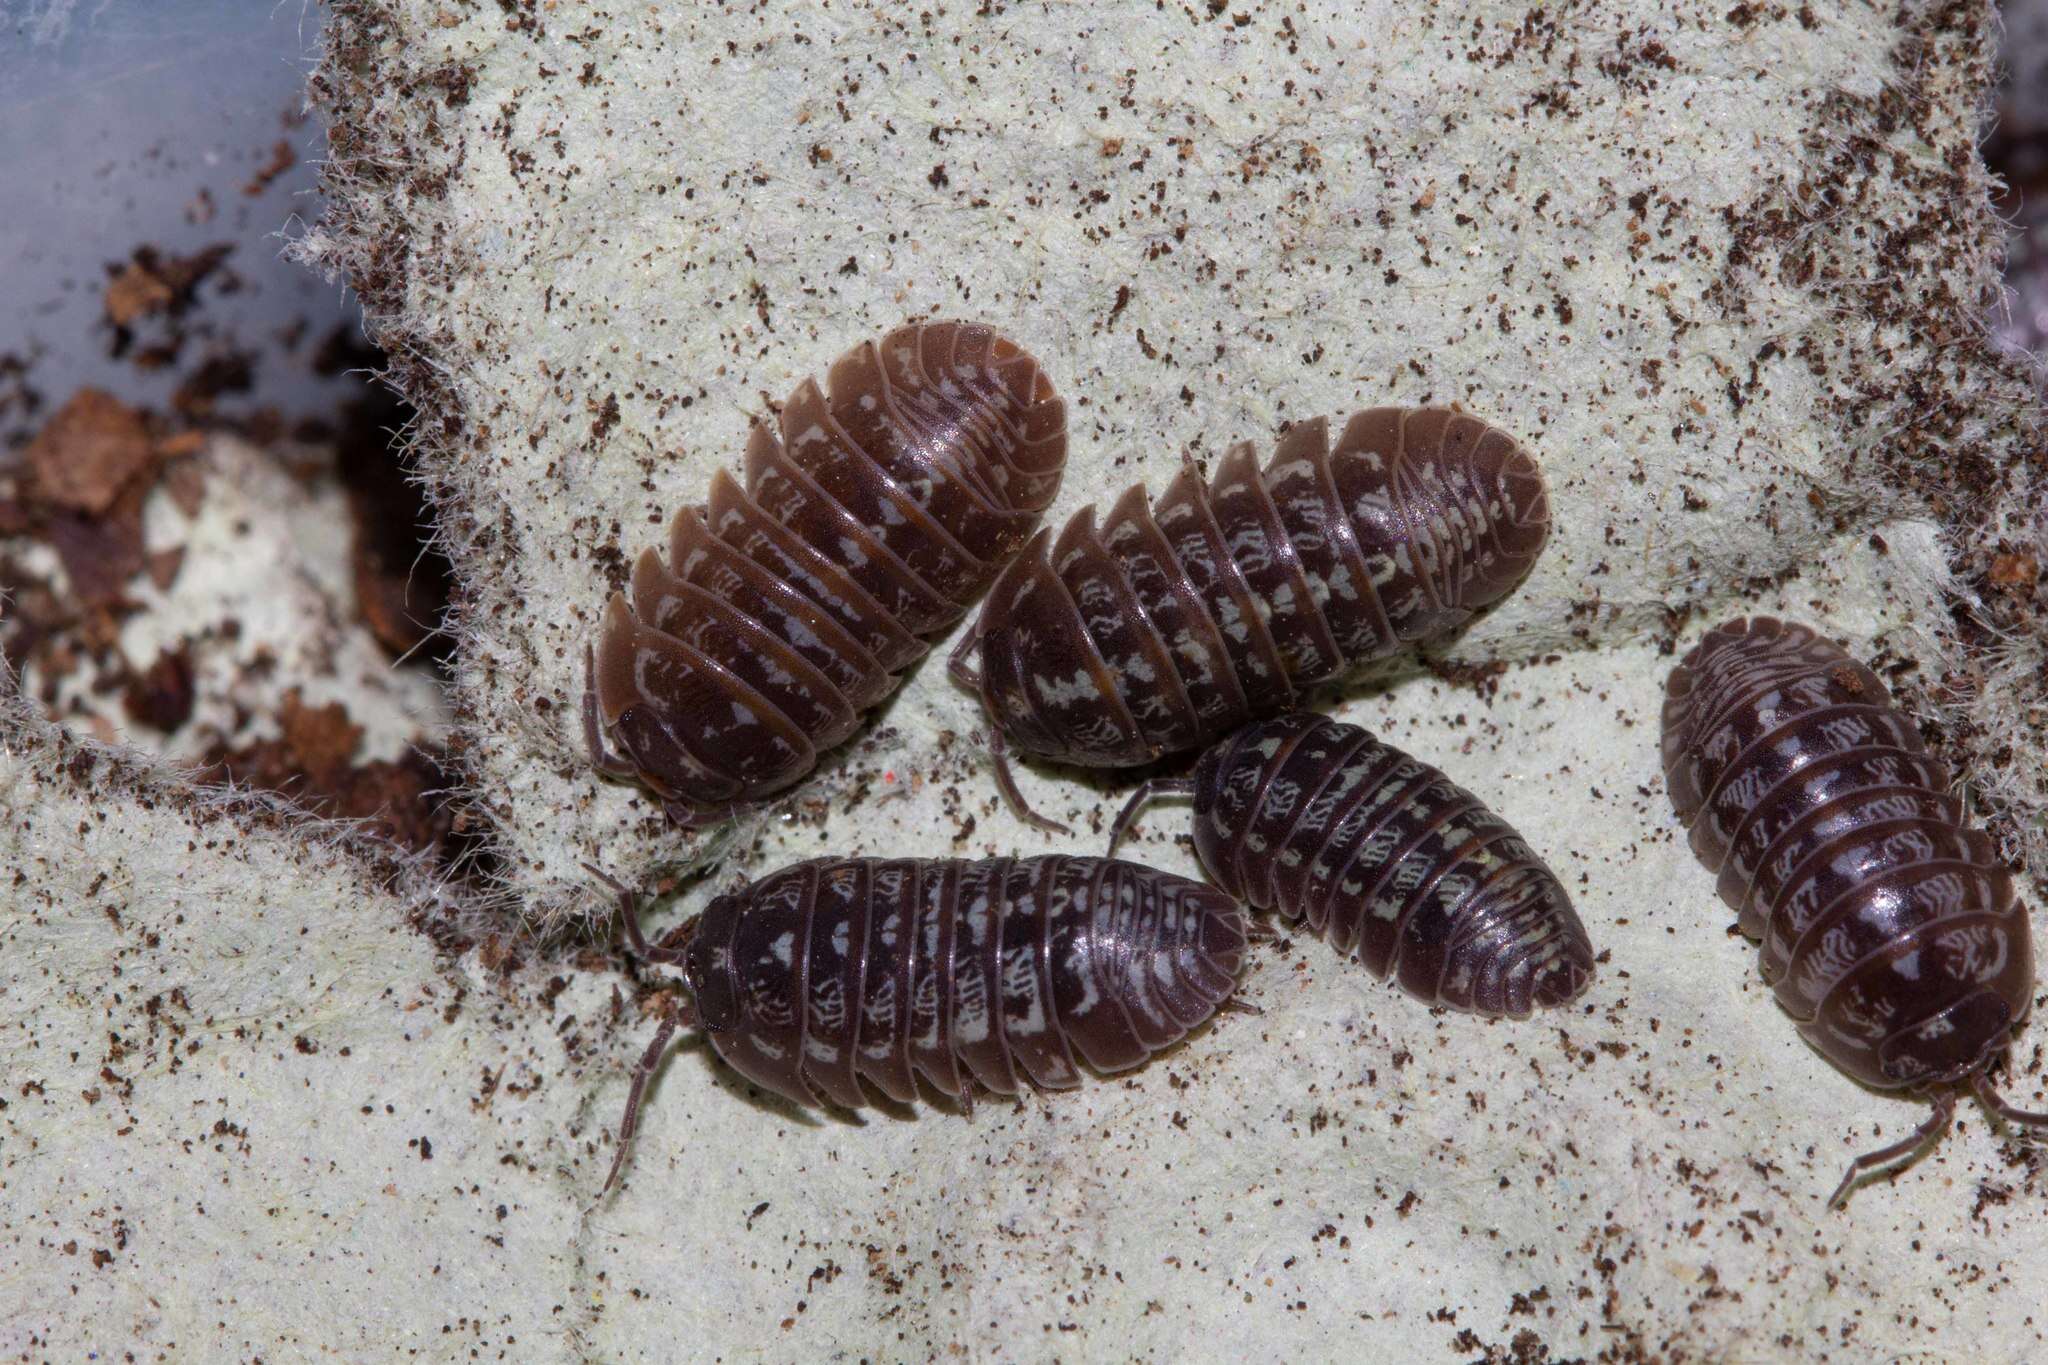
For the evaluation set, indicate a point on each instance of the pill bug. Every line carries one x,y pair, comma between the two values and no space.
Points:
1387,860
997,973
876,509
1180,619
1889,928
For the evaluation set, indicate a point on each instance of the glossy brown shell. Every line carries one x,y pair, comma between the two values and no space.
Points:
1179,620
1889,928
1390,862
840,971
875,511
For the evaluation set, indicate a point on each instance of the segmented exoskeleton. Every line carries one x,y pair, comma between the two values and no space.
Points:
1179,620
1889,928
1385,858
837,973
869,524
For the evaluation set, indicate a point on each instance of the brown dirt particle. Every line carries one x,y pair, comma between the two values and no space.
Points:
185,481
322,738
89,451
2015,571
163,566
101,553
135,293
282,159
152,283
161,696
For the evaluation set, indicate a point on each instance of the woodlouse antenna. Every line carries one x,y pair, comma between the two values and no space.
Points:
601,758
666,955
676,1014
642,1073
968,676
1999,1105
957,667
1935,1125
1144,796
1006,781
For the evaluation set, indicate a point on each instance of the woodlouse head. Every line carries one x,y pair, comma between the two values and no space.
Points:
1223,810
1957,1041
663,762
714,985
1683,722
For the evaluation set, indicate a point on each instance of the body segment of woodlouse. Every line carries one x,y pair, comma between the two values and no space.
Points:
1889,927
1180,619
1386,859
840,976
875,510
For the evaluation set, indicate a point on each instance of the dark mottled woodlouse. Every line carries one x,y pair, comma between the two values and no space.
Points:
996,972
880,512
1181,619
1386,859
1889,928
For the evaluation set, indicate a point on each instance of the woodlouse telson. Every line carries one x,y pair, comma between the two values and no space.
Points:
1889,928
877,515
1387,860
1180,619
999,972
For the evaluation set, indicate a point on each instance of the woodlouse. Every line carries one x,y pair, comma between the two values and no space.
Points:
1386,859
873,520
1181,619
1889,927
836,971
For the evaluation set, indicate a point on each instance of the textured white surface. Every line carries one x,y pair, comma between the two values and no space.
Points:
558,207
239,1089
656,221
1640,1176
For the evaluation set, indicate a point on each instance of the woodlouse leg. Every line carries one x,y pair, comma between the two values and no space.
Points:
1937,1122
1142,797
684,815
601,758
642,1073
1007,782
957,667
1237,1006
2002,1107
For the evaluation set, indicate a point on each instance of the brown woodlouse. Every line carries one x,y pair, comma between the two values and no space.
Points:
993,972
1181,619
873,520
1386,859
1889,928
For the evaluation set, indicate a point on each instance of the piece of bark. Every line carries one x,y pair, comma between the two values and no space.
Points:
89,451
